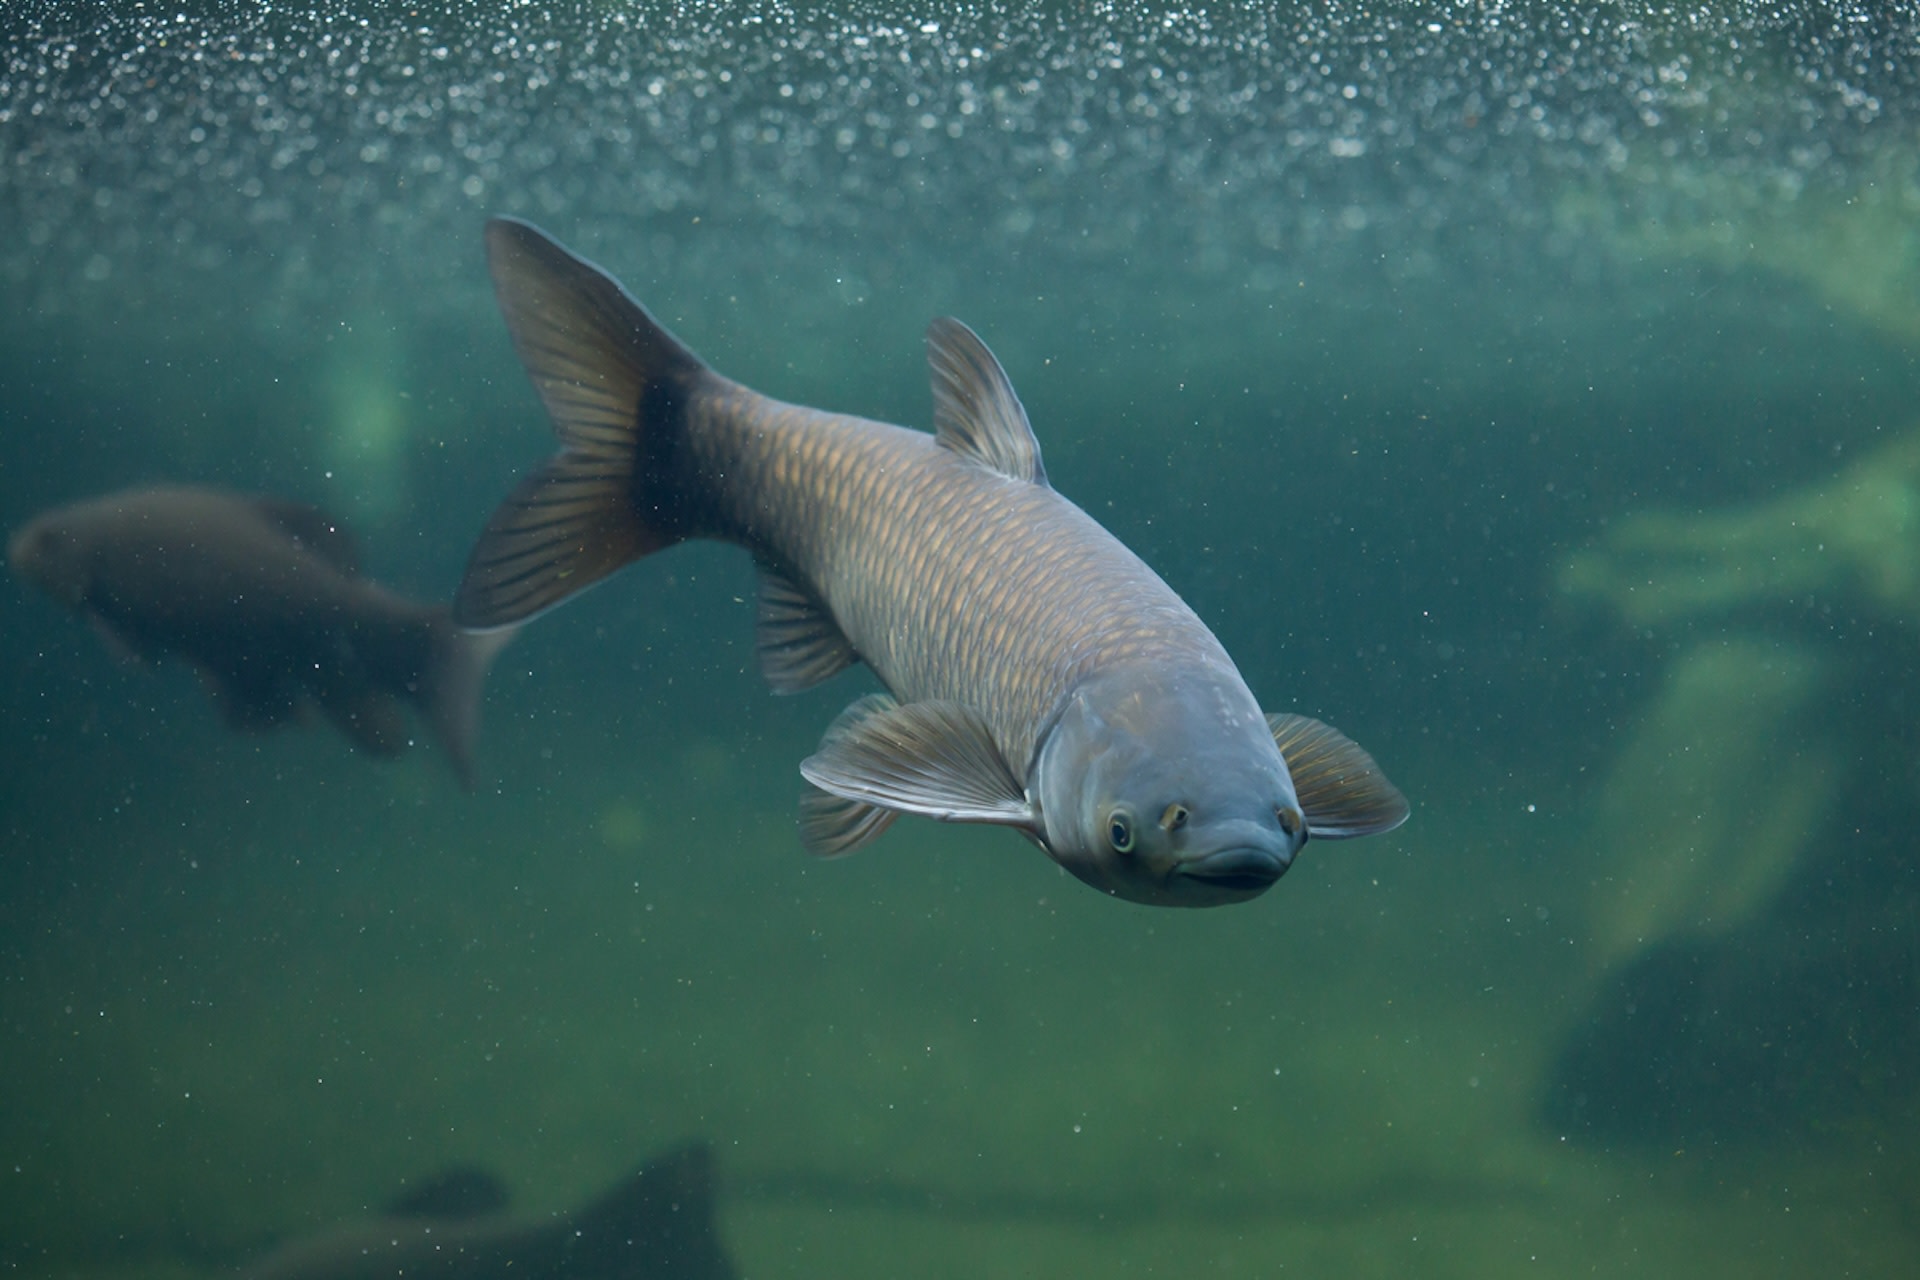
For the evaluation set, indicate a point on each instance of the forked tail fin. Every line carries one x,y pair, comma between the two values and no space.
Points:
616,385
455,682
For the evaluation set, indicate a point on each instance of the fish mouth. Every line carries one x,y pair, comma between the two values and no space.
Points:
1240,870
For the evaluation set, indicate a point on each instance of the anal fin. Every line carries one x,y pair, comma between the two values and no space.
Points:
832,826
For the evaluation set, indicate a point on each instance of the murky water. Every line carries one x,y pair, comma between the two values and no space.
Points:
1525,389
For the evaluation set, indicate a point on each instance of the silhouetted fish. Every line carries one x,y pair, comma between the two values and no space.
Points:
264,598
1045,678
656,1224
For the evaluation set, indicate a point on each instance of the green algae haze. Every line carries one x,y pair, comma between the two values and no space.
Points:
1528,390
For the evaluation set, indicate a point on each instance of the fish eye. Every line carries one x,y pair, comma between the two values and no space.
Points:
1175,817
1290,820
1120,831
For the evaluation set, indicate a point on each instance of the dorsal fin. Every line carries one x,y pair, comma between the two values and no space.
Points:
313,529
975,412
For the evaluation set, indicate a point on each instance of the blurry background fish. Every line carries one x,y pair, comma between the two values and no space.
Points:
656,1223
265,600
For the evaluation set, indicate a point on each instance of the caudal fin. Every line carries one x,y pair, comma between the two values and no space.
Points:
455,681
616,385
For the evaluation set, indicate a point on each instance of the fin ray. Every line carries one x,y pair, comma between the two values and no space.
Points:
589,347
833,826
1341,789
614,384
975,411
799,643
536,552
937,759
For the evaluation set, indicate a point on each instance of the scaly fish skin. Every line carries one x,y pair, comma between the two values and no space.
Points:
1041,675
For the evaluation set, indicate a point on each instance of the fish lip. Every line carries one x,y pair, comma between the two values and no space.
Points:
1243,868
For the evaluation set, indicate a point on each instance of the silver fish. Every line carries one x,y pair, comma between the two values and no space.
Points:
264,598
1040,675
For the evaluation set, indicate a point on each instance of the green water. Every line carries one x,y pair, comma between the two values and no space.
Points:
1360,327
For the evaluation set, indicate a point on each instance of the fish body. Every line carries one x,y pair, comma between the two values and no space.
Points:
264,598
655,1224
1039,674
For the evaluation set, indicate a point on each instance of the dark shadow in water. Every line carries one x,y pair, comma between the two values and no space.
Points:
832,1190
1798,1027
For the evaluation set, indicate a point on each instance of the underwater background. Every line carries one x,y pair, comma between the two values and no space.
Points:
1527,389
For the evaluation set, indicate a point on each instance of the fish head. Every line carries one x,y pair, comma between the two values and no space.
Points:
53,556
1164,786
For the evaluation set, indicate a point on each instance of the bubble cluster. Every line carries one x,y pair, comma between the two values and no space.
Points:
143,140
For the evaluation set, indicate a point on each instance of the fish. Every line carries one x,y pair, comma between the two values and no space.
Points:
657,1223
263,596
1038,675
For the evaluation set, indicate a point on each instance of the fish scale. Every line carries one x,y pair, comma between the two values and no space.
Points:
893,531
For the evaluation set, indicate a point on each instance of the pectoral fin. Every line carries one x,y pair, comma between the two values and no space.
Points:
932,758
1341,789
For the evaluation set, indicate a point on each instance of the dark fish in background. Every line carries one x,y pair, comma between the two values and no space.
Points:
656,1224
264,598
1040,675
